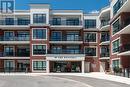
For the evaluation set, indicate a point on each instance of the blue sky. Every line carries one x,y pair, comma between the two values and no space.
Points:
86,5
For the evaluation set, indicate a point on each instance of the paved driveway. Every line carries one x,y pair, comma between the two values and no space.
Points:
55,81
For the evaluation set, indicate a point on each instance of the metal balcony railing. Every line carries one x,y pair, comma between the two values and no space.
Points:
118,5
66,38
125,48
65,51
66,22
14,22
106,38
15,54
15,38
105,54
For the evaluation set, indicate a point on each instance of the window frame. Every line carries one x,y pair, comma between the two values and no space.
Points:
42,64
43,14
91,47
90,27
91,33
39,54
39,29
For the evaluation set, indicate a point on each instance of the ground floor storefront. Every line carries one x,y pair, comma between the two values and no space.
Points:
66,66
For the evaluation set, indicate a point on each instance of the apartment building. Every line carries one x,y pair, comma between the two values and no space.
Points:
42,39
119,34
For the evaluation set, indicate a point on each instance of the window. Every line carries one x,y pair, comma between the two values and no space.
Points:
115,63
104,51
23,21
105,36
39,18
9,51
56,36
90,51
73,36
39,33
8,36
23,36
116,26
118,5
90,23
73,49
72,21
90,37
9,21
39,49
56,21
115,45
39,65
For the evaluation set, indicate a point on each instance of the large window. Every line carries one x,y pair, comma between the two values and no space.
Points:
72,21
115,63
56,36
23,21
9,51
39,65
39,33
115,46
116,26
90,37
56,21
90,51
90,23
39,18
118,5
9,21
73,36
39,49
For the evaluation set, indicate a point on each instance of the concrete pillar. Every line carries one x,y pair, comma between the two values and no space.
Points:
83,64
47,66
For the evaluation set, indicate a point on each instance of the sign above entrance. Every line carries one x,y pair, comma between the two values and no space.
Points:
65,57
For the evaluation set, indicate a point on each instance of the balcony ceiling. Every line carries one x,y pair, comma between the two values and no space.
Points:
127,53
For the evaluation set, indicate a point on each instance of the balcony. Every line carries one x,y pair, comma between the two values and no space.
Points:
65,24
74,40
14,40
121,6
65,55
126,27
104,55
14,24
65,51
105,26
124,50
105,40
15,55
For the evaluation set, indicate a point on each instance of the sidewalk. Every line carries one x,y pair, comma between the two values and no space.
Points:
97,75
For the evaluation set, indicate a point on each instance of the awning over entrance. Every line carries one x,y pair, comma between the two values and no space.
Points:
65,57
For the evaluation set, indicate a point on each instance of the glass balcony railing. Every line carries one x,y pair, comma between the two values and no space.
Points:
125,48
66,39
22,38
67,23
15,54
65,51
14,22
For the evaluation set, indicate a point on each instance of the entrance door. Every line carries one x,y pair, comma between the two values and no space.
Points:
9,65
